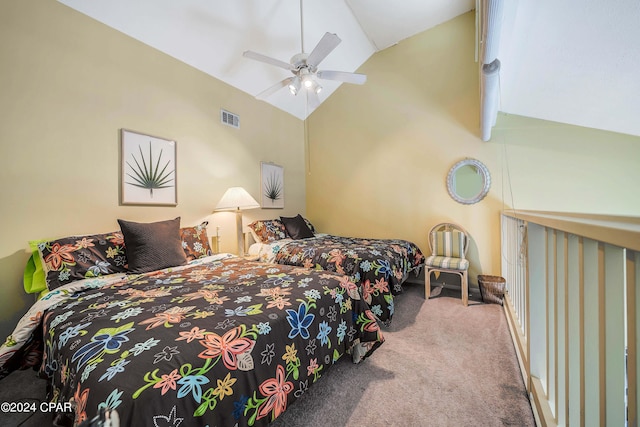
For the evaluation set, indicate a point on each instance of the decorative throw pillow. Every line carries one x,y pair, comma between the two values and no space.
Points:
195,241
268,230
78,257
34,278
311,227
153,246
296,227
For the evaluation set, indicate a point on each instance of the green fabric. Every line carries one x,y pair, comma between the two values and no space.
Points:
449,244
447,262
34,278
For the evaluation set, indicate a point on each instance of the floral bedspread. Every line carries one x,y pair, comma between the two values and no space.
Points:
377,266
219,342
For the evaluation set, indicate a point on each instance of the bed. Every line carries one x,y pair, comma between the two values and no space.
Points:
217,340
378,267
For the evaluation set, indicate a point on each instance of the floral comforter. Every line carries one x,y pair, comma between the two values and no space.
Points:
377,266
221,341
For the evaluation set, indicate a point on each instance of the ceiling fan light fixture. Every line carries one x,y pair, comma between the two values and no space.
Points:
306,77
294,86
315,86
304,67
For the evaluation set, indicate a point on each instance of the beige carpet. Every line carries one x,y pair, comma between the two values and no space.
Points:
442,364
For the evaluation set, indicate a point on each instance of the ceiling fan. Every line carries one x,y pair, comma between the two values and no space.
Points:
304,68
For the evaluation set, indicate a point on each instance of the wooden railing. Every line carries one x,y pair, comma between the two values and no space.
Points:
573,289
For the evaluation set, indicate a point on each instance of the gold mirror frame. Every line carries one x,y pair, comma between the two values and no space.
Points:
482,171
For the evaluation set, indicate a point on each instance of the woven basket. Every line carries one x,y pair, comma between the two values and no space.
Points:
492,288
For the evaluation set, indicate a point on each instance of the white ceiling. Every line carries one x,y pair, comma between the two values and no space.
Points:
573,61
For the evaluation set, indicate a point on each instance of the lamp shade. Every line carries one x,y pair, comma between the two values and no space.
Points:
236,198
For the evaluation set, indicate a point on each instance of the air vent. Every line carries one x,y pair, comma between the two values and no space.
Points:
230,119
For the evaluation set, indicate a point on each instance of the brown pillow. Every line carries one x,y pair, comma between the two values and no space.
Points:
296,227
195,241
152,246
268,230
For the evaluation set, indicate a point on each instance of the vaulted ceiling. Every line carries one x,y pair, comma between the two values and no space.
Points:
575,62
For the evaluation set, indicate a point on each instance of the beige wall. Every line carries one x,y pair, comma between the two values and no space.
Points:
69,84
377,160
379,153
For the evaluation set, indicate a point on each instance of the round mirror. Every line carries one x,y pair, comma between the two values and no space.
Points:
468,181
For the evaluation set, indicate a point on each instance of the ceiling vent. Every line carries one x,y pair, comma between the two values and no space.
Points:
230,119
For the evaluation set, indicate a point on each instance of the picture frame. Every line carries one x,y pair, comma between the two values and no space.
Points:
271,186
147,170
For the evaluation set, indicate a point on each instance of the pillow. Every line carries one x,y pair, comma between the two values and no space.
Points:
311,227
153,246
195,241
34,278
448,244
78,257
268,230
296,227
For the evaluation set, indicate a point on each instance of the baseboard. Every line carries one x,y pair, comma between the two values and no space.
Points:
413,280
541,404
473,290
520,344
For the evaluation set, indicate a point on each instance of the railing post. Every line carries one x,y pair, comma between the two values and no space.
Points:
615,329
591,326
537,301
578,306
575,330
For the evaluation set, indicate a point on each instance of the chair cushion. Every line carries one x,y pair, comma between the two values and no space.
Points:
447,262
448,243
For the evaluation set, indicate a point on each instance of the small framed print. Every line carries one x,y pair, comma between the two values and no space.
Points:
272,186
148,170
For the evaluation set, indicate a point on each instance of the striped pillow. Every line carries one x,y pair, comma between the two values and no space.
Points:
448,243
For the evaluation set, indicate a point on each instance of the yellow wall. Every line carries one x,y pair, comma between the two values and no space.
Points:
69,84
379,153
377,159
557,167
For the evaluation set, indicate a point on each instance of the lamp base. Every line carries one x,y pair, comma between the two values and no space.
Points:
239,233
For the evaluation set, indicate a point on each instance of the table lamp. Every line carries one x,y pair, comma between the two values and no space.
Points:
237,199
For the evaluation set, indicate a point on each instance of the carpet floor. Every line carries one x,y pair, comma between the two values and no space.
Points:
442,364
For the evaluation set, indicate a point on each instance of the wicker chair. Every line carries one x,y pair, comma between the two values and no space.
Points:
448,243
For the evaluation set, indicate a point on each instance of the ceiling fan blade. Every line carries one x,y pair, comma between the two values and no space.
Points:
327,43
273,89
343,76
267,59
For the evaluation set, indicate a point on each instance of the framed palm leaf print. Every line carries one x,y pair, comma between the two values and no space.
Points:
148,170
272,186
